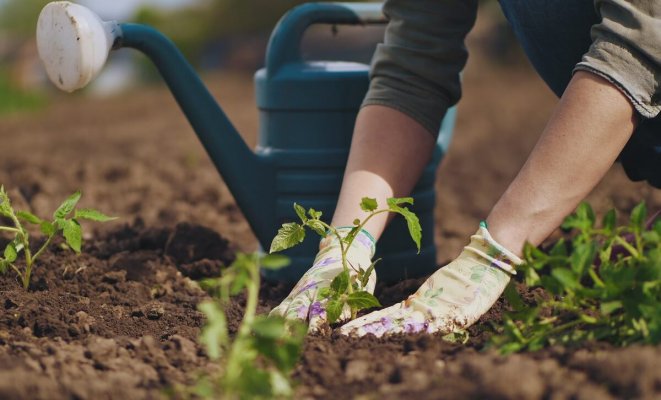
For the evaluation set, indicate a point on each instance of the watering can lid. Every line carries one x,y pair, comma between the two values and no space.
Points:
313,85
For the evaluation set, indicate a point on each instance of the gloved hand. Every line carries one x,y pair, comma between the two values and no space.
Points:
453,298
302,303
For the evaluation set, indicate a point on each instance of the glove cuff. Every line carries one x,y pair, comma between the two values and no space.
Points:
485,246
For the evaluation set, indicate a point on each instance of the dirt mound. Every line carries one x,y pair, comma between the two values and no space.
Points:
118,320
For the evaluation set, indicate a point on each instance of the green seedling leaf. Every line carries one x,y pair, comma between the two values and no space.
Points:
399,200
610,307
362,300
92,215
289,235
300,211
269,328
638,215
317,226
325,293
10,253
609,221
334,310
586,214
566,277
279,340
5,203
582,257
412,221
651,237
274,261
368,204
73,234
512,297
280,384
314,214
4,266
583,218
28,217
340,283
47,228
214,334
366,274
460,337
238,282
67,206
208,284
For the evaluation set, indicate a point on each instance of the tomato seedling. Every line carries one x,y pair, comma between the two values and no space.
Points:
66,221
257,362
346,288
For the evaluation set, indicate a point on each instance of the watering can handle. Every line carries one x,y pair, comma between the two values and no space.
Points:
284,45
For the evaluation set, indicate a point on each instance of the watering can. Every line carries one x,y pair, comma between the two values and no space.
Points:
307,110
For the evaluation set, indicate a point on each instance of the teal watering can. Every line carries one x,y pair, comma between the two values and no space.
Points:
307,111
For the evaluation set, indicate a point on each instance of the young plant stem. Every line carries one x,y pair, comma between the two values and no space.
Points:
344,250
634,252
33,259
233,371
22,234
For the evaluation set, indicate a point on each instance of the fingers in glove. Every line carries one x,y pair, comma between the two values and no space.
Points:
319,319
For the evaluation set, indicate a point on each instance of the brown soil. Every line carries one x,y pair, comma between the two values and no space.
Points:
120,321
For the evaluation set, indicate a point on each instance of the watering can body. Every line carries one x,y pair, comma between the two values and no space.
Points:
307,112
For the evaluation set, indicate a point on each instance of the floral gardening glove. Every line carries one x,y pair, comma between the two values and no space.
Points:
453,298
302,303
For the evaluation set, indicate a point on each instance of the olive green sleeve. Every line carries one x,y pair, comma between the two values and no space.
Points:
626,50
416,70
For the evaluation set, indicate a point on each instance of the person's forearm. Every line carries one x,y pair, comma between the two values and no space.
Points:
389,151
587,131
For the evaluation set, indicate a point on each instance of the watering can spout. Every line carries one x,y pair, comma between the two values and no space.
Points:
81,37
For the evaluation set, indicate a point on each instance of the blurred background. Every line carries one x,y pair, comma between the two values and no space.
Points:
124,142
213,34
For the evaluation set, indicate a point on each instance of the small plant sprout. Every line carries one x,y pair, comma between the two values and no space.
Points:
346,288
66,220
604,284
257,362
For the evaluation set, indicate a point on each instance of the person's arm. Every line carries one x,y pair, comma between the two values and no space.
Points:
584,136
414,79
615,84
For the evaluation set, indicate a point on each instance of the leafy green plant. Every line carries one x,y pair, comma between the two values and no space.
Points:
257,362
345,289
603,284
66,221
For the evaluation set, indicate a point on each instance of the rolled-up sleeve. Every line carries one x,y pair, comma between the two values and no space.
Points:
626,50
416,70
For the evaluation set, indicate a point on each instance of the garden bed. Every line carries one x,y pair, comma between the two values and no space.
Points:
120,321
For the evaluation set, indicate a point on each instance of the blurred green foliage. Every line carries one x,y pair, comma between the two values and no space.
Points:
19,17
14,99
